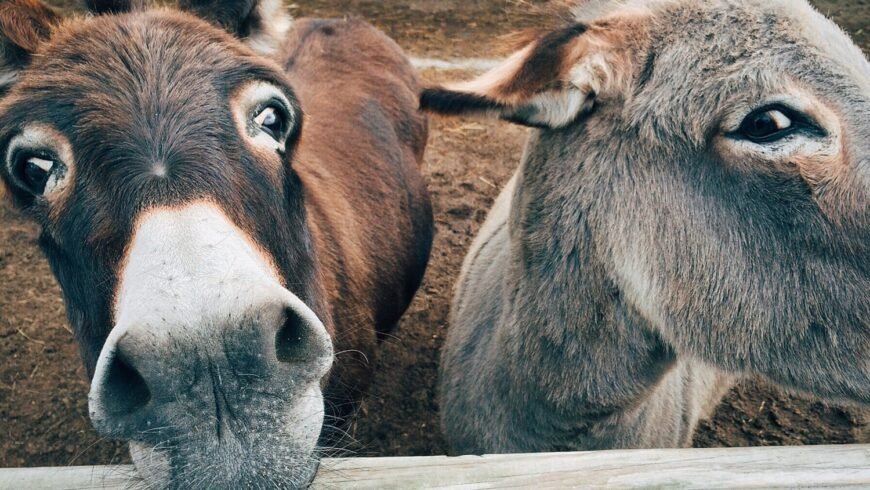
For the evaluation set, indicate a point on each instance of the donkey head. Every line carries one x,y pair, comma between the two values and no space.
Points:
156,152
716,156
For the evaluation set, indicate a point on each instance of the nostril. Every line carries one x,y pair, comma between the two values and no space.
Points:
125,390
292,338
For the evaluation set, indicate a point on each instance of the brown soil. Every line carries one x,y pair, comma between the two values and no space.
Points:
43,407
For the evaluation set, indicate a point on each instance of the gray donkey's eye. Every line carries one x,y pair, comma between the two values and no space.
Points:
773,123
766,124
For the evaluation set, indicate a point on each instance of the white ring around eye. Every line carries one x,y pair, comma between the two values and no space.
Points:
252,97
45,165
37,138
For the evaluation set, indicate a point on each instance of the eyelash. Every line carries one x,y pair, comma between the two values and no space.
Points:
273,102
281,107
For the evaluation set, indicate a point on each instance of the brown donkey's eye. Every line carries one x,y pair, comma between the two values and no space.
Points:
272,120
34,172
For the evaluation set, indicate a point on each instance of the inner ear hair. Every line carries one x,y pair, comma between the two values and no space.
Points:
262,24
544,64
537,67
24,26
114,6
529,88
100,7
556,78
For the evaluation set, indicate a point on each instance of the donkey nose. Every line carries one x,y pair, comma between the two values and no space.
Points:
157,376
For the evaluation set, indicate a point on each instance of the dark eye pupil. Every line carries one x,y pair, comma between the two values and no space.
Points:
36,176
271,119
767,126
764,125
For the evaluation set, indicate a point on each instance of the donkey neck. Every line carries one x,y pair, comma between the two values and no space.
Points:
584,348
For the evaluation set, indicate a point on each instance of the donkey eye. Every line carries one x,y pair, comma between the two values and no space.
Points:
766,126
34,171
273,120
774,122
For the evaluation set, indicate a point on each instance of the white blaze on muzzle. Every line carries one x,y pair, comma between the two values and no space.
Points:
189,270
189,263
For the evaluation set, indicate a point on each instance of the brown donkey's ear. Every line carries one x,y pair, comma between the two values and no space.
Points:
262,24
24,26
114,6
554,79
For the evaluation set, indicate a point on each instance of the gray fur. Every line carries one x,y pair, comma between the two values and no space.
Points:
632,268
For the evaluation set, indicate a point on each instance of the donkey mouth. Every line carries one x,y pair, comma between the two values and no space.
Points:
260,449
232,465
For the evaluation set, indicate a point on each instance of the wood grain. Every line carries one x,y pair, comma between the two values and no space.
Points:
767,467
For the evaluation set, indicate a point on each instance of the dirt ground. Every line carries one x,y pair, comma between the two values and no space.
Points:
43,406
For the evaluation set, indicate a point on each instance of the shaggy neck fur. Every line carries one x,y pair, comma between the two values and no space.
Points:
625,386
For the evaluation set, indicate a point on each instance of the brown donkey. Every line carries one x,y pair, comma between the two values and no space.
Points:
232,225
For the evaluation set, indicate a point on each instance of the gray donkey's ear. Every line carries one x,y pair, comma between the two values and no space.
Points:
24,26
261,24
555,78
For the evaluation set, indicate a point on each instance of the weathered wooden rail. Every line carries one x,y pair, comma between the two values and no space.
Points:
770,467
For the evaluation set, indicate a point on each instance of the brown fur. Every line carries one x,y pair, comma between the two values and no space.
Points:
26,23
545,63
353,230
339,210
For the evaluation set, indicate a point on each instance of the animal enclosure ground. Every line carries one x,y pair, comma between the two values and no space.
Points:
43,391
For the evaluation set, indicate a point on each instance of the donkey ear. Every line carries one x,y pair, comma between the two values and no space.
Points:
554,79
24,26
114,6
262,24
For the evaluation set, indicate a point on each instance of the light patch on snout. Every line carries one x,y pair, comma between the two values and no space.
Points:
194,259
188,277
192,256
190,268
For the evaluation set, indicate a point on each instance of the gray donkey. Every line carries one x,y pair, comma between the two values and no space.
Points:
694,206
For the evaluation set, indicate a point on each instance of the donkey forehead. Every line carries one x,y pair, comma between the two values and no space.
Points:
147,102
139,62
797,25
754,48
738,27
154,85
826,39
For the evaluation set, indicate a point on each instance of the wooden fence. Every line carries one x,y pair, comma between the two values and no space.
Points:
770,467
